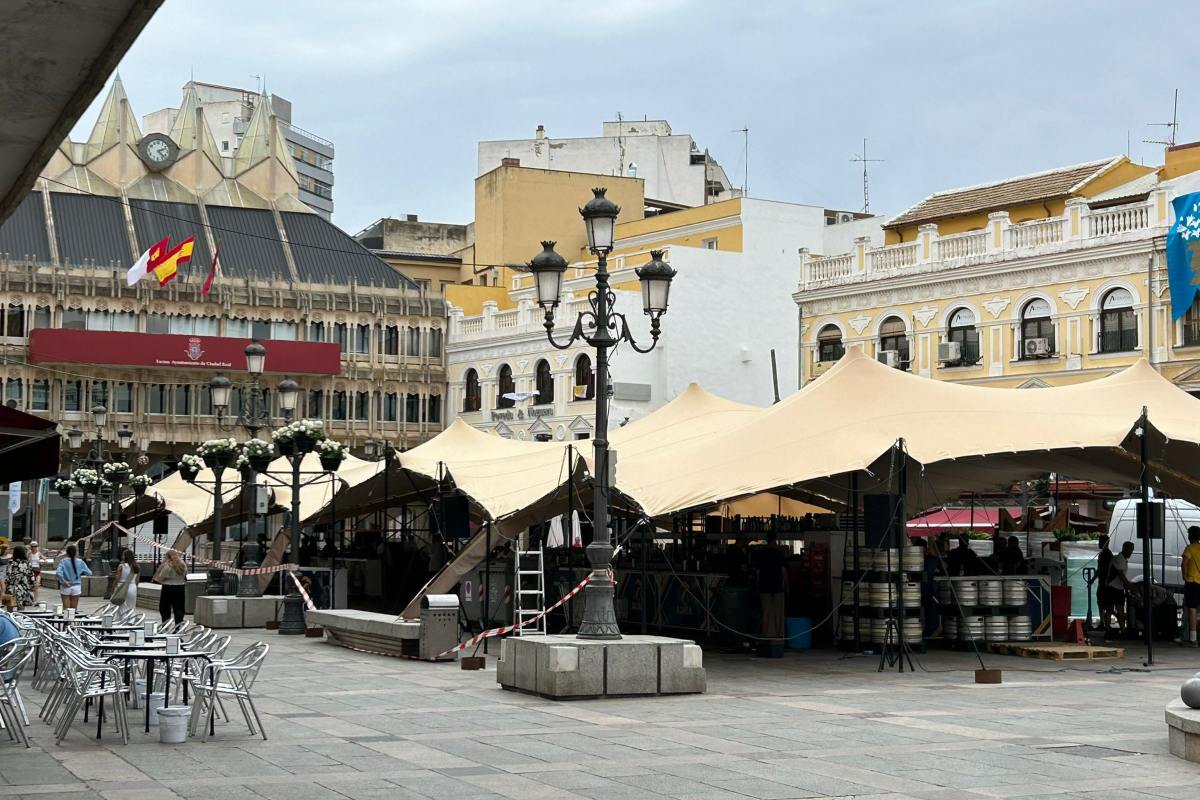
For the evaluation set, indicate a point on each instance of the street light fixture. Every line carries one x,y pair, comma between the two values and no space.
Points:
99,415
220,388
75,438
256,358
607,328
124,438
288,391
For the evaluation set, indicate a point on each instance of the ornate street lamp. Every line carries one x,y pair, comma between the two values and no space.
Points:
607,328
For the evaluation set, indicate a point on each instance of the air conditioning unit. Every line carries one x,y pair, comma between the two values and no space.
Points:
819,368
1037,348
844,217
889,357
949,352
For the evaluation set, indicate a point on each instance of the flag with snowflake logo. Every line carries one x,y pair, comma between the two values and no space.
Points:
1183,253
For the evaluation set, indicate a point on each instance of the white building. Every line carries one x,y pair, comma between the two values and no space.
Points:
730,307
678,174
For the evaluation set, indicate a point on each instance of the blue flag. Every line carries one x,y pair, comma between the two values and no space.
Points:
1183,253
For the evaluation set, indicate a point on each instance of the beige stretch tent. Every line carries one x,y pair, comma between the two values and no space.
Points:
963,437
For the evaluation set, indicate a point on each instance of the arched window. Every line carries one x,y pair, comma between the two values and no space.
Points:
585,379
545,382
1035,325
1118,322
829,344
505,386
962,330
472,397
1191,324
892,337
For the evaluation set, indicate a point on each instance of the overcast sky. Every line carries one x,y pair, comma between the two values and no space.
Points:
949,94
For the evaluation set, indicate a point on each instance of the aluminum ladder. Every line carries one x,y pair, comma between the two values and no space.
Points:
529,592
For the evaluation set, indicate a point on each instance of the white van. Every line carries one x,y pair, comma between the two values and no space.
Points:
1166,553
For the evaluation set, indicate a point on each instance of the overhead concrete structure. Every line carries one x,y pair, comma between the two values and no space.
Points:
55,60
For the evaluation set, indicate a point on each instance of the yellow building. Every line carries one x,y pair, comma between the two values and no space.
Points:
1044,279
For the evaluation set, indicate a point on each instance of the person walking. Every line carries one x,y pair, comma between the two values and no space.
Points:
70,574
20,577
127,576
35,561
5,560
172,574
1191,585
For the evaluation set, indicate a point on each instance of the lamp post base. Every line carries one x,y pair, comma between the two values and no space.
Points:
292,623
599,615
216,583
248,585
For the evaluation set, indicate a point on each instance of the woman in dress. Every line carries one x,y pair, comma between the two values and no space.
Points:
128,571
20,577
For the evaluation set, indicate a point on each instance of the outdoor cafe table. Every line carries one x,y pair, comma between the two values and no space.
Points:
150,654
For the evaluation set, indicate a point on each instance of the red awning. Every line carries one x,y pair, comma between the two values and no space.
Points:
28,446
959,520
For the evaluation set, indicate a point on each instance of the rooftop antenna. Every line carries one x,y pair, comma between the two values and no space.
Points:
862,158
745,132
1171,126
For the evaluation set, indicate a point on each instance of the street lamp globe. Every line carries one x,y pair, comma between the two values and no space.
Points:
100,415
600,219
289,390
124,438
75,438
256,358
220,388
369,448
655,278
548,268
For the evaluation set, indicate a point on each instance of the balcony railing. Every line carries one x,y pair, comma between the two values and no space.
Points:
1079,227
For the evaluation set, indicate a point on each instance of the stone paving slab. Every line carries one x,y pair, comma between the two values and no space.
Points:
812,725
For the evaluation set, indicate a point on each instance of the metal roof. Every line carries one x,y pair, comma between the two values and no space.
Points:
91,229
249,242
324,253
154,219
23,234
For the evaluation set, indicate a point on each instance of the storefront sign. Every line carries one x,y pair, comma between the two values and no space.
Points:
506,414
541,411
174,351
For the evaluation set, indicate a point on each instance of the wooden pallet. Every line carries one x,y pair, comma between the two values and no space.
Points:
1055,651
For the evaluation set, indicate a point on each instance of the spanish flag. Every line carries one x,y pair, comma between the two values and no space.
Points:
162,260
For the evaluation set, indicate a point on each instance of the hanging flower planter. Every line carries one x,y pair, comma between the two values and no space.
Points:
303,434
219,453
331,454
257,455
64,488
86,479
286,446
139,483
189,467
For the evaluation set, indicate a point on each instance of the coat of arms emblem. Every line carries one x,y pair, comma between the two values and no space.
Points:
193,349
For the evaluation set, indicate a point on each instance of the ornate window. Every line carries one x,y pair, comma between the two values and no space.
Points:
433,408
962,330
585,379
505,385
829,344
412,407
545,382
892,336
1118,323
472,398
1036,324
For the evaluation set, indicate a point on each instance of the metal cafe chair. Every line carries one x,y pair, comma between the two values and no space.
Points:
14,655
228,679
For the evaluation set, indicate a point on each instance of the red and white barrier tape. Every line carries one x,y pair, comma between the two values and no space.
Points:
308,603
225,566
516,626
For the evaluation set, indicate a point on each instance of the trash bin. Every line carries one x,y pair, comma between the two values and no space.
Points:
172,724
799,633
157,701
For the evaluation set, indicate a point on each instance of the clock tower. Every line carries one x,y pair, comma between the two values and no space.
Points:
157,151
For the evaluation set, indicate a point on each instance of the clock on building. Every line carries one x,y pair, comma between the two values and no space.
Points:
157,150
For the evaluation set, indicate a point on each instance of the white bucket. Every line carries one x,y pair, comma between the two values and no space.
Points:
136,692
157,701
172,724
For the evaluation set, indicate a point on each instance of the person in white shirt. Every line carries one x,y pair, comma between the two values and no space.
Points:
1118,581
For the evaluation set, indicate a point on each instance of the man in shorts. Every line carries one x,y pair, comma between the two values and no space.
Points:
1191,585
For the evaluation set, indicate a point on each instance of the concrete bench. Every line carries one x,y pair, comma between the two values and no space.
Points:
149,594
230,611
369,632
1183,731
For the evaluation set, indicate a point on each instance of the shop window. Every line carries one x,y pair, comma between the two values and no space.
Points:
472,397
39,395
829,344
893,337
412,408
1036,324
1118,323
585,379
433,408
505,385
962,330
545,383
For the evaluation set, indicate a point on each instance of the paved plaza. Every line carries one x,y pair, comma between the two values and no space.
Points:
351,725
